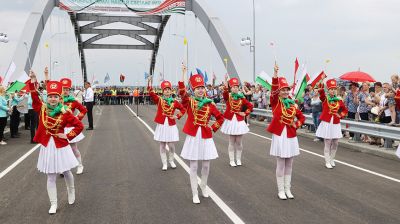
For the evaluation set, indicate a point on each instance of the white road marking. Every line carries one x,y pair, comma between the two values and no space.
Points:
338,161
221,204
22,158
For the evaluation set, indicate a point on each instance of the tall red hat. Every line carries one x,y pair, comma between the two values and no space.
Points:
283,83
166,84
331,83
66,83
234,82
196,81
54,88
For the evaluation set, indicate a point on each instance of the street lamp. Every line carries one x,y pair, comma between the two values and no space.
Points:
185,42
54,64
51,38
3,38
246,41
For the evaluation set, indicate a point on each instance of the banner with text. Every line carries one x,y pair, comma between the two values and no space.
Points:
139,7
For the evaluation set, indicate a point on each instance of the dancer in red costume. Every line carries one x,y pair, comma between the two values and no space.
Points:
199,144
73,105
55,154
283,127
234,124
166,131
333,109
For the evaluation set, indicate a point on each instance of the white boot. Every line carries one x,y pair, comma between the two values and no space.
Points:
287,186
193,185
164,161
239,157
171,160
52,192
79,170
281,189
232,158
332,158
327,161
203,186
69,181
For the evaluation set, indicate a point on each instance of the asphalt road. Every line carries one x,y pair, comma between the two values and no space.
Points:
123,182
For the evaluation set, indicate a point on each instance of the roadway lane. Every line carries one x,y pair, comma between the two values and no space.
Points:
122,183
342,195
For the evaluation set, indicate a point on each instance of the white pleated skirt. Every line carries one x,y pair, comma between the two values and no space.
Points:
78,138
329,130
166,133
198,148
234,127
56,160
284,147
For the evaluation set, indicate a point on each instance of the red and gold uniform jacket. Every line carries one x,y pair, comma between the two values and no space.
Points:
283,117
75,105
51,126
235,106
331,109
164,110
199,118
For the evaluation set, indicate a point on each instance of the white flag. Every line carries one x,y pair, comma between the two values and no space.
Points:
23,77
10,72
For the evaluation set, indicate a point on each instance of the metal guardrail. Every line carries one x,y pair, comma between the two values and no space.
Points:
386,132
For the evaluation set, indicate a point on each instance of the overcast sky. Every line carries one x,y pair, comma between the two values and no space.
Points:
352,34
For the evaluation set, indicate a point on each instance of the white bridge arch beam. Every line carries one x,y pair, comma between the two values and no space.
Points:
31,34
225,47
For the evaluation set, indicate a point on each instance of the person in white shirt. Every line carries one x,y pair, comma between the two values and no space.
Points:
88,98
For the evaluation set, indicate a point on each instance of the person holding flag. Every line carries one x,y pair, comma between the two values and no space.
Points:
283,127
199,144
55,155
166,131
234,124
333,109
73,105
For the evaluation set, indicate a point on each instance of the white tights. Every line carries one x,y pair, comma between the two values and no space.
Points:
163,150
77,154
330,150
284,166
52,186
235,142
205,170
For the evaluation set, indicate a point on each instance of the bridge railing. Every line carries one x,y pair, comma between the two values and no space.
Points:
385,132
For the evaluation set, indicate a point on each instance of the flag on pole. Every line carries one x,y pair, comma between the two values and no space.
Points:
106,78
205,77
301,85
200,72
317,79
10,72
296,67
23,77
121,78
16,86
214,78
265,80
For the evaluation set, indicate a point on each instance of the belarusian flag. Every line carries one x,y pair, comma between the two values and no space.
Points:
301,85
15,86
296,67
265,80
317,79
